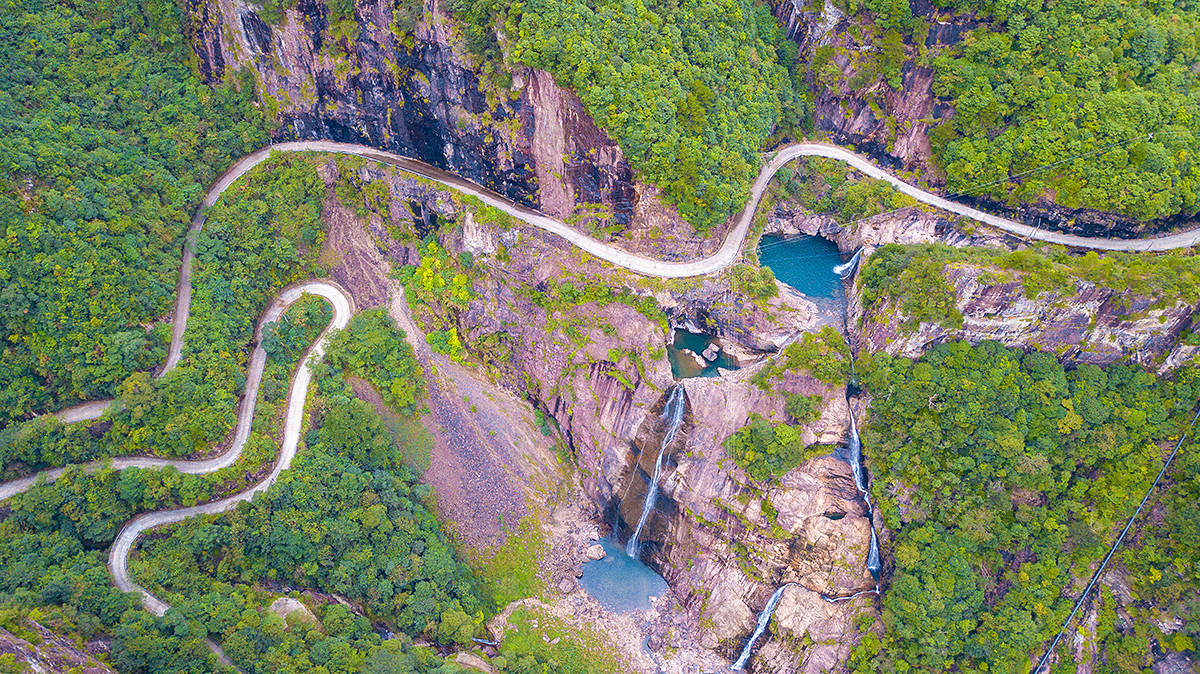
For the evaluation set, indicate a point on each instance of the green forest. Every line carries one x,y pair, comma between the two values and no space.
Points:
1002,476
1106,92
109,140
690,90
264,233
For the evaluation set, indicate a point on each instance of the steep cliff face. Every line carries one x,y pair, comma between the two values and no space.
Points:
1091,325
891,123
732,542
420,94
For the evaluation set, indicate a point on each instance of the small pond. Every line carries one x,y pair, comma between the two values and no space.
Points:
620,582
684,364
805,263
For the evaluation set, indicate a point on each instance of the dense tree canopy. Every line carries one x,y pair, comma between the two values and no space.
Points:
1003,476
264,233
1104,92
690,90
109,139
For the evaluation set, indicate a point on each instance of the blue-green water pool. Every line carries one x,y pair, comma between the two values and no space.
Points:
805,263
619,582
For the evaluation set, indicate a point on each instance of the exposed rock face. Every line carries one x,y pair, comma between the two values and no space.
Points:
1093,325
724,543
52,652
861,117
292,610
906,226
892,124
421,95
731,543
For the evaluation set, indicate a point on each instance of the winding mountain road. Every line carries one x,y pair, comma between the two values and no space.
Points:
343,309
118,555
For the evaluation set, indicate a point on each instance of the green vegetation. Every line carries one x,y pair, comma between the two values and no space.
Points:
690,90
438,287
824,355
346,519
826,186
511,571
756,282
263,234
1104,92
373,348
1003,477
803,408
913,277
766,450
567,293
538,643
109,140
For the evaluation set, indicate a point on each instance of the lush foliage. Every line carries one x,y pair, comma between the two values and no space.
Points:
440,286
826,186
345,519
1003,477
766,450
913,277
539,643
824,355
690,90
1104,93
264,233
348,519
109,140
373,348
756,282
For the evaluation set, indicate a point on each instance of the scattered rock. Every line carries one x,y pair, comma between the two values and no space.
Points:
472,661
711,353
286,607
596,552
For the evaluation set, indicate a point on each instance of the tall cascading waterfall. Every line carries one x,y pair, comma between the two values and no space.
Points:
764,619
672,416
854,457
849,265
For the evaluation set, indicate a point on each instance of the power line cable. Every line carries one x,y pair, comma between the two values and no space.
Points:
1038,668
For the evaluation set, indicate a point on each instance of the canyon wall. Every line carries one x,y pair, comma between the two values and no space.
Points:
420,93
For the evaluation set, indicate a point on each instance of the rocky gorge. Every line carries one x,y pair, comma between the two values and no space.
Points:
419,92
593,364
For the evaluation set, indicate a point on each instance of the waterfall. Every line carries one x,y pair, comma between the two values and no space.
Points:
873,563
763,619
850,265
672,414
854,446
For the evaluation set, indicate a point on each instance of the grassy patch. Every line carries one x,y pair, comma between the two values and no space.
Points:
511,572
538,642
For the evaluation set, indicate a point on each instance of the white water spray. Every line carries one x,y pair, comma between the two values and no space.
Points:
873,563
849,265
673,414
763,619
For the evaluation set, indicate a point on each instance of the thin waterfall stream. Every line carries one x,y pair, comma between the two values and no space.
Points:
672,415
853,456
619,580
850,265
764,619
773,252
